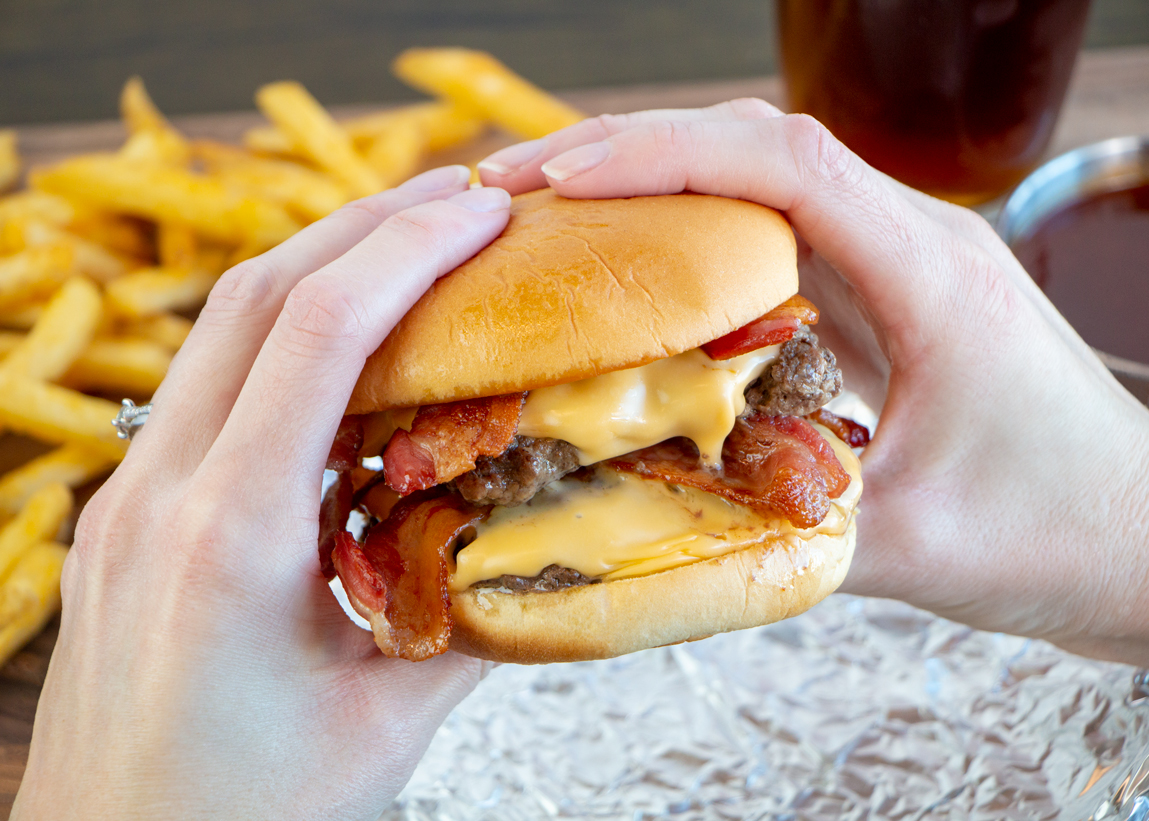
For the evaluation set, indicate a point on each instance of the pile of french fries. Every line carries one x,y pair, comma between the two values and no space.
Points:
105,257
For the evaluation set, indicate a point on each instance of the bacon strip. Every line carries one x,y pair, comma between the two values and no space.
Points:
849,431
344,453
336,506
445,440
398,578
773,328
778,465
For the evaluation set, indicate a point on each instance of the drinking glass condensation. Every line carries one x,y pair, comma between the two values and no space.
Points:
957,98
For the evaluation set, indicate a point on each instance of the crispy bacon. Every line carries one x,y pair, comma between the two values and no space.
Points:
445,440
778,465
774,328
849,431
398,578
344,453
333,512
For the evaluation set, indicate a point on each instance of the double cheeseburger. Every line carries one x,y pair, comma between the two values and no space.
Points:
603,433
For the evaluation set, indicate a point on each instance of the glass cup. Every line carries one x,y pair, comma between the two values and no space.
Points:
957,98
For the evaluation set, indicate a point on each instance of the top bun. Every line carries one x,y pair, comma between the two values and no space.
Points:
575,288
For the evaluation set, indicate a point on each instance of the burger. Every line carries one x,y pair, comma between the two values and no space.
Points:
603,433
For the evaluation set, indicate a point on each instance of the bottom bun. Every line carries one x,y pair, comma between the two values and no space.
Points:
751,586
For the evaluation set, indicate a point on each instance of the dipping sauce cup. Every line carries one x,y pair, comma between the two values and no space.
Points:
1080,226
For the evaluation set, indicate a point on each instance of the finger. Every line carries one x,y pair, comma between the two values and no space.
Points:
890,252
517,168
281,427
194,400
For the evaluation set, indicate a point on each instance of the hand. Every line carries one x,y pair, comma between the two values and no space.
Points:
1006,483
203,668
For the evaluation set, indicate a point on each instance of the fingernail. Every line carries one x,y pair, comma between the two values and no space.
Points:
577,161
482,199
438,179
511,159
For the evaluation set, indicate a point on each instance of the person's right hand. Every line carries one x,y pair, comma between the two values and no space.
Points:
1006,483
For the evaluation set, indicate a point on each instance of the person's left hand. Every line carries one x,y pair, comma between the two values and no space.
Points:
204,668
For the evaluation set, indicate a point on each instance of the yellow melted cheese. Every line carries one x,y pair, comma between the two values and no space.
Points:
621,525
687,395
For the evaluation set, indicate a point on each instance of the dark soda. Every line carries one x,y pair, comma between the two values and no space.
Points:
957,98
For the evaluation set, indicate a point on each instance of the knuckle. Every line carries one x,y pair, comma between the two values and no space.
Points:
985,284
673,136
976,226
373,209
101,542
320,314
417,227
607,125
69,580
244,289
821,152
752,108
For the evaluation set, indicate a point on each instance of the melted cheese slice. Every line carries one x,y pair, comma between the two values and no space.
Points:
620,525
687,395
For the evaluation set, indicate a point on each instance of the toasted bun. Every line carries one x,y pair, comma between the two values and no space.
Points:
575,288
758,584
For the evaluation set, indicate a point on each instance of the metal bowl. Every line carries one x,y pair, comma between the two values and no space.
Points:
1109,165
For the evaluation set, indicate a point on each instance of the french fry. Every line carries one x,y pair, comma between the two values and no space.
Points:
162,141
132,366
33,273
308,198
240,254
213,258
176,245
155,147
71,465
30,596
36,205
88,258
292,108
10,165
61,334
9,340
169,330
269,140
128,237
137,109
395,154
21,316
37,521
444,125
309,193
153,290
483,85
59,415
167,194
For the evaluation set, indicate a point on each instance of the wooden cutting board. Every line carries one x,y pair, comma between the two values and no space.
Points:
1109,97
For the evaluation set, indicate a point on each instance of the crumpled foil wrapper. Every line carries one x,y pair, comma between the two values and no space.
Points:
861,708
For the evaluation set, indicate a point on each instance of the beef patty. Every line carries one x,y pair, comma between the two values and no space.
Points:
551,578
517,474
804,378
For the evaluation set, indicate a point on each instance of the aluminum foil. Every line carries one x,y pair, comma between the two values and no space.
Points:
860,708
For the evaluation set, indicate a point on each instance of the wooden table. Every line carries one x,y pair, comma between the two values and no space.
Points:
1109,97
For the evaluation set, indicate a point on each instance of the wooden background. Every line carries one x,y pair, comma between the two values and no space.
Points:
66,59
